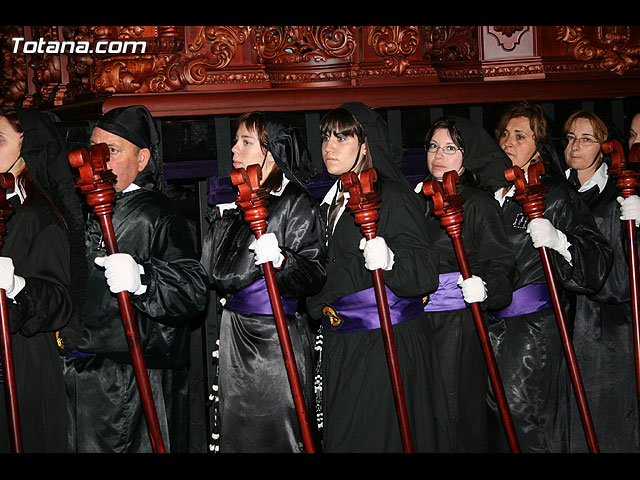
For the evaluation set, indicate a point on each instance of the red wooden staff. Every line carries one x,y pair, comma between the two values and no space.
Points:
448,207
253,201
96,182
363,204
531,196
7,182
628,179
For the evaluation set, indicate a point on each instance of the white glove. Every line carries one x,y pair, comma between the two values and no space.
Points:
376,254
473,289
9,282
266,249
122,273
630,208
544,234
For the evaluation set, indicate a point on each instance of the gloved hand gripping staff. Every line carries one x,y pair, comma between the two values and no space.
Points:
7,182
531,196
96,182
448,208
627,175
253,201
364,204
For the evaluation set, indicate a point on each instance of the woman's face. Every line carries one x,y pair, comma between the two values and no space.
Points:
583,149
248,151
10,144
339,153
442,154
518,142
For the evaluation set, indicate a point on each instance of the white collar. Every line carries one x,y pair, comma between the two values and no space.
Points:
278,192
17,191
131,188
599,178
330,195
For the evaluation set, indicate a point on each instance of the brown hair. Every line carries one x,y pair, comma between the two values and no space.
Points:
600,130
255,122
535,114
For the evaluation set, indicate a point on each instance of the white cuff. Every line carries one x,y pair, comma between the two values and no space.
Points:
18,285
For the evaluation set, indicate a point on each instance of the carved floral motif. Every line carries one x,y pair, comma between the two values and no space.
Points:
296,44
394,44
611,46
450,43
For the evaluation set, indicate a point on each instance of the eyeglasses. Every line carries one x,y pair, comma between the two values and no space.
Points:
447,149
582,141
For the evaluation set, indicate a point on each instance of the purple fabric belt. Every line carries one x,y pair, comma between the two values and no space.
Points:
448,296
359,311
78,354
525,300
255,299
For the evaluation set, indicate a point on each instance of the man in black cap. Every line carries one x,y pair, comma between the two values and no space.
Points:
159,267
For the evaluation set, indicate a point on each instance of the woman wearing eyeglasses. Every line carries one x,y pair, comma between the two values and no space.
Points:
458,144
603,335
525,336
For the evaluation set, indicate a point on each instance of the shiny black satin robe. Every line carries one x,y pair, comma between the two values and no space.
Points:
37,243
454,332
603,340
256,412
528,347
104,402
358,407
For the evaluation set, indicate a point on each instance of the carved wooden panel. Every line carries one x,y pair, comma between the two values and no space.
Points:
269,59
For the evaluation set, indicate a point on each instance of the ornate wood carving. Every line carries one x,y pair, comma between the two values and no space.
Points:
451,43
394,44
266,58
297,44
508,37
613,47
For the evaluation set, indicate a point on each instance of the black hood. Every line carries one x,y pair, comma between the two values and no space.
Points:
135,124
482,153
47,159
375,128
288,148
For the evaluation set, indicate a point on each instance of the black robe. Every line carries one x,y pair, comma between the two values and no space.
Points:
528,348
104,402
454,332
358,406
603,340
37,242
255,409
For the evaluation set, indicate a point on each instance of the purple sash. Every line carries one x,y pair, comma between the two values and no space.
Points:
448,296
528,299
359,311
255,299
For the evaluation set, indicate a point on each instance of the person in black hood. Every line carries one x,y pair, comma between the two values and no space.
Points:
253,401
358,407
159,267
455,143
603,328
524,335
42,271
